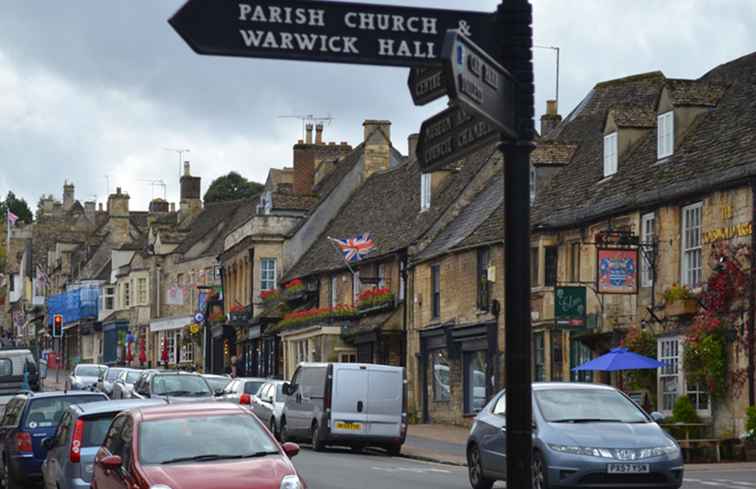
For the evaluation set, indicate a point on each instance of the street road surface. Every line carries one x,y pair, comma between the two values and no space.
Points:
341,469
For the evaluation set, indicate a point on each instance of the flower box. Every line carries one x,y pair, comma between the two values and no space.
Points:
684,307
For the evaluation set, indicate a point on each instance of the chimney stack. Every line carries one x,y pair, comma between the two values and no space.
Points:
173,207
89,211
412,146
551,119
191,187
68,195
304,168
319,134
308,133
118,210
377,146
99,207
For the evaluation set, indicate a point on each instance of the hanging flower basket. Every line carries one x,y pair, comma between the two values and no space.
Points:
373,298
316,315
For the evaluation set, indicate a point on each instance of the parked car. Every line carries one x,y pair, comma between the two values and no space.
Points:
106,379
179,447
85,377
348,404
175,386
241,390
124,384
72,449
217,382
28,419
268,405
584,435
19,371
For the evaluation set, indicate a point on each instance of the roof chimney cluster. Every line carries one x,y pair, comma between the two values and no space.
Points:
551,119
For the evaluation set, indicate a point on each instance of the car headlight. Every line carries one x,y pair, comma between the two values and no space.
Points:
587,451
291,482
671,451
619,453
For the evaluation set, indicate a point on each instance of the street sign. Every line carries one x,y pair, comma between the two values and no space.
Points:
338,32
479,84
449,136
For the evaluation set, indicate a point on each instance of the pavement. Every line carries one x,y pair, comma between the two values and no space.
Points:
436,443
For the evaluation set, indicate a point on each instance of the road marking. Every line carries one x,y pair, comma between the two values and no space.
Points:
413,470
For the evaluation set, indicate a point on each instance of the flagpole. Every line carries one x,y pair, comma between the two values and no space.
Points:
333,242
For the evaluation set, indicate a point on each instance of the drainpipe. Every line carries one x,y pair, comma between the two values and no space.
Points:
403,335
752,300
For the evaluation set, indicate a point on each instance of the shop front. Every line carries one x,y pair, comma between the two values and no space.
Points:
171,349
375,338
112,333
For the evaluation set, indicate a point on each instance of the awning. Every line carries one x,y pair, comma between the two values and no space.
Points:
170,323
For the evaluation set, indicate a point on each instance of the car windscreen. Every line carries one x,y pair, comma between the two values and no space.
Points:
95,429
218,383
252,386
178,440
47,412
587,405
132,377
180,385
113,374
87,371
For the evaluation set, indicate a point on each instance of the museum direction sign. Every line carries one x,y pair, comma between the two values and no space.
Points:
338,32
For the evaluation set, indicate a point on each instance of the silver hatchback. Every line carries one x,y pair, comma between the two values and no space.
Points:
585,435
71,451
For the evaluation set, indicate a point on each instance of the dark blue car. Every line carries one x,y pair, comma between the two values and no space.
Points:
28,419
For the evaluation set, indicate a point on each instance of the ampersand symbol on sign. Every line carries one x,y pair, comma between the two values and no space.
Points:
464,28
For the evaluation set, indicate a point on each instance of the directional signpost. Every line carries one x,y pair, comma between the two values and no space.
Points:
456,53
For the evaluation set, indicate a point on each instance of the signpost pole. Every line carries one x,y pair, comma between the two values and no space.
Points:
515,54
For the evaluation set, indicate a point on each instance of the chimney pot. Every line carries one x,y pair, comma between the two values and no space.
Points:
551,107
99,207
118,190
308,133
300,141
319,134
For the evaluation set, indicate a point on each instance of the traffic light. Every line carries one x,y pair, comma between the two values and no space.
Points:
57,329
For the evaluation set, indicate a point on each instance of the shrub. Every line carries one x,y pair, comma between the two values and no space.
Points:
751,423
684,411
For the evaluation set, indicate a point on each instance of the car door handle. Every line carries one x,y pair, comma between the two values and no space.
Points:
360,406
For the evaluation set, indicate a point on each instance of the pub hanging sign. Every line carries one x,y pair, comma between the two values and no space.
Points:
617,271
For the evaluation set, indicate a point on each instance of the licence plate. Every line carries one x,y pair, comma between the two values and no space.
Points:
629,469
340,425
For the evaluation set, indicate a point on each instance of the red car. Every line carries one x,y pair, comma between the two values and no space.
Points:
193,446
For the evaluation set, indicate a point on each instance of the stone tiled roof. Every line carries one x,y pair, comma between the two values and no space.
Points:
343,166
490,231
634,116
293,202
695,92
717,149
551,153
139,219
387,205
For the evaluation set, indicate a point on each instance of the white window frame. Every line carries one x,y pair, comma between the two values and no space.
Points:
142,292
171,337
268,276
187,351
426,180
665,134
333,291
691,269
648,235
381,275
127,294
356,286
610,154
109,293
670,352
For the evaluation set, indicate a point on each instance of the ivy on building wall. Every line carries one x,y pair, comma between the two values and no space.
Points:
720,321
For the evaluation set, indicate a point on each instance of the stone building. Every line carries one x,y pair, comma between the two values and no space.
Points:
668,166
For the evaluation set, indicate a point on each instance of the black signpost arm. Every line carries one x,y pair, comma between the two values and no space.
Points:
516,41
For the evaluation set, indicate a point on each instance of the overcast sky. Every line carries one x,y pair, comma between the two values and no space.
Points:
90,88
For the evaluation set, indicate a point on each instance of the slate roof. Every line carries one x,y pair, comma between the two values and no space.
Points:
718,149
468,220
552,153
634,116
695,92
387,205
293,202
343,166
490,231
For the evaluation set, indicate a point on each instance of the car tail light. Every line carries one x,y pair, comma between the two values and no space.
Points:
23,442
245,399
78,434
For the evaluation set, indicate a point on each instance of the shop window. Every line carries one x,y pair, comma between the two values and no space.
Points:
484,286
539,357
142,291
556,356
550,266
435,291
648,222
579,354
348,357
440,372
475,381
187,351
109,299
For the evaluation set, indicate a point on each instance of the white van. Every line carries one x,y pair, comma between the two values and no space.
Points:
349,404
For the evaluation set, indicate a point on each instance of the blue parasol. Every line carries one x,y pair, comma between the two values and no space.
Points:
619,359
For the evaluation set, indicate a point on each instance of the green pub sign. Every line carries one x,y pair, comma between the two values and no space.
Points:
570,307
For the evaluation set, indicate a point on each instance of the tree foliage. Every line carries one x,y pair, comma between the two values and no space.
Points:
18,206
231,187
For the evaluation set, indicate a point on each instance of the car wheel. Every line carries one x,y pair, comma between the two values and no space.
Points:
357,448
317,443
475,469
540,477
394,449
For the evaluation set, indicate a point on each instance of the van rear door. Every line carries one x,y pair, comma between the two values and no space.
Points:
349,399
385,396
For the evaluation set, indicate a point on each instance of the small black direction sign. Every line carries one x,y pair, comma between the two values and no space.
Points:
426,85
316,30
479,84
450,136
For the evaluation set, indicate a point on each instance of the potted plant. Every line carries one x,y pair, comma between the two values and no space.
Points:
680,301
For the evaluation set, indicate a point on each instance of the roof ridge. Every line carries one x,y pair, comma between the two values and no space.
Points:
631,78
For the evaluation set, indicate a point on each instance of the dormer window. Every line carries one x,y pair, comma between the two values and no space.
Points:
610,154
425,191
665,137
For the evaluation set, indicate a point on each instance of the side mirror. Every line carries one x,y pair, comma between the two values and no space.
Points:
219,392
48,443
288,388
657,417
290,449
111,462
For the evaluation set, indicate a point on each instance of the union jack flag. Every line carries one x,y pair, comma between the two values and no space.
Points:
355,249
